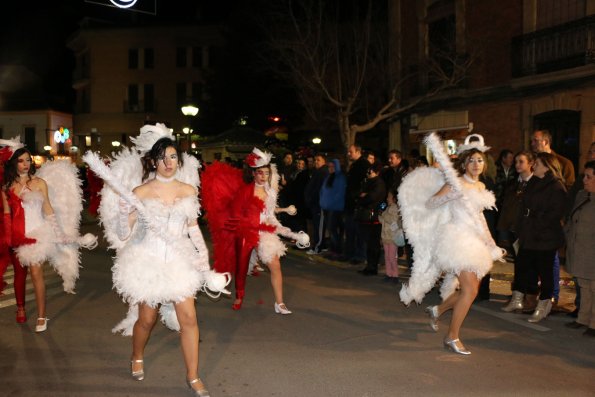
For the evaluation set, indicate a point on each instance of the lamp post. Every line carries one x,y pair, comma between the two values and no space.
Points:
189,110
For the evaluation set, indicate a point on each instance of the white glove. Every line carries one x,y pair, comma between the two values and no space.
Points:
200,245
124,210
58,233
302,240
215,283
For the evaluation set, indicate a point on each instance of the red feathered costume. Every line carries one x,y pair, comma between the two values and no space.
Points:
233,213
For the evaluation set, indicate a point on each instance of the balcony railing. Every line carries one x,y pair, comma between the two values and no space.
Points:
557,48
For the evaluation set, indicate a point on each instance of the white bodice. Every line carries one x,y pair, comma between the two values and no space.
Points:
169,221
469,209
32,202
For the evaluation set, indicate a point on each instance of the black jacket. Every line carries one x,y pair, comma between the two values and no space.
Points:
355,178
542,209
375,190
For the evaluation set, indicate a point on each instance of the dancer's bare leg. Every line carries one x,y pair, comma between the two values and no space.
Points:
189,338
141,332
39,287
469,287
276,279
448,303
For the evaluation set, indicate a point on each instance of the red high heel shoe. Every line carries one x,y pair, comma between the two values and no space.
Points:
21,315
237,306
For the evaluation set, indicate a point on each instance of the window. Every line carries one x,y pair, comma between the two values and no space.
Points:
149,58
197,57
197,91
181,57
133,58
149,97
30,139
181,95
556,12
133,105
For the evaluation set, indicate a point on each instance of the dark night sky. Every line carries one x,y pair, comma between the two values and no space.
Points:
35,65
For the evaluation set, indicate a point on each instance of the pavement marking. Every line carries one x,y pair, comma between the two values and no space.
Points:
511,318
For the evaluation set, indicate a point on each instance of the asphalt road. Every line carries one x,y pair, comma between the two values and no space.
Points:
348,336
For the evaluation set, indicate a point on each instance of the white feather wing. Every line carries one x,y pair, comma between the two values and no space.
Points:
126,167
65,193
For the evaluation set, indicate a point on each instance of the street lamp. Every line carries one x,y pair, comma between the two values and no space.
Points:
316,141
189,110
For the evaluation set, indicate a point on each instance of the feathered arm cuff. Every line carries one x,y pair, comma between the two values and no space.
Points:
437,201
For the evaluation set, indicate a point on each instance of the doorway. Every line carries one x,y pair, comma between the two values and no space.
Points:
564,125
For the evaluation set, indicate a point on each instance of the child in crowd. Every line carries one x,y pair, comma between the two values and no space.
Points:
392,233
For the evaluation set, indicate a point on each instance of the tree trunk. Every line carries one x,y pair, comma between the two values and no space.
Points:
347,135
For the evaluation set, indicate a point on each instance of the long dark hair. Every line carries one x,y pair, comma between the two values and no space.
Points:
11,169
157,153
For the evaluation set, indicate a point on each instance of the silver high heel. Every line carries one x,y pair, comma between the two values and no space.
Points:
280,308
137,375
433,312
198,393
42,327
453,345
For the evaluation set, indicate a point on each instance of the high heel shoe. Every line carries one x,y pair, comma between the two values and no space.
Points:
433,313
237,306
199,393
137,375
21,315
42,327
280,308
456,346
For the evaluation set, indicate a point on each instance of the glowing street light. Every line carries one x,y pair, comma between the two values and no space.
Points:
316,141
189,110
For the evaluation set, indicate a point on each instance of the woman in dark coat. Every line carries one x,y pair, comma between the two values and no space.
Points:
539,229
368,206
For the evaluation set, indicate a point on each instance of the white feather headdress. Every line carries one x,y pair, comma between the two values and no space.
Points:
10,146
149,134
258,158
478,144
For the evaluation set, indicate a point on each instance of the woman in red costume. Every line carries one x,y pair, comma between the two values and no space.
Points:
241,216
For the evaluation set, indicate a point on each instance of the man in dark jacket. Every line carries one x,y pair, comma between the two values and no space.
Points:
312,199
393,174
355,246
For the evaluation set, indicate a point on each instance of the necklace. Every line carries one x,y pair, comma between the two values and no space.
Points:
164,179
468,178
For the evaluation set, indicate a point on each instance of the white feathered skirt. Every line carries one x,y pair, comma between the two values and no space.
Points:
65,259
154,272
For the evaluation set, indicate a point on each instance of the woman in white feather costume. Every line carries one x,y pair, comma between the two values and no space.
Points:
162,259
442,217
41,223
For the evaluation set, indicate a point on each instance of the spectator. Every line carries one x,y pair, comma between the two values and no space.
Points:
371,157
395,171
368,207
295,196
332,203
355,247
540,233
580,250
541,141
312,199
392,236
505,173
511,200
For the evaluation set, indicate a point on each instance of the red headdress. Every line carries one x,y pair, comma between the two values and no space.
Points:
10,146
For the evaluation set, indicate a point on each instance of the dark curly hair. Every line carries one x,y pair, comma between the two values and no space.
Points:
157,153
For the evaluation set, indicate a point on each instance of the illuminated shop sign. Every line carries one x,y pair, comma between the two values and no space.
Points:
62,135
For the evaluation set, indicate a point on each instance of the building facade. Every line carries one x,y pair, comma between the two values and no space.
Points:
44,132
532,66
126,77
